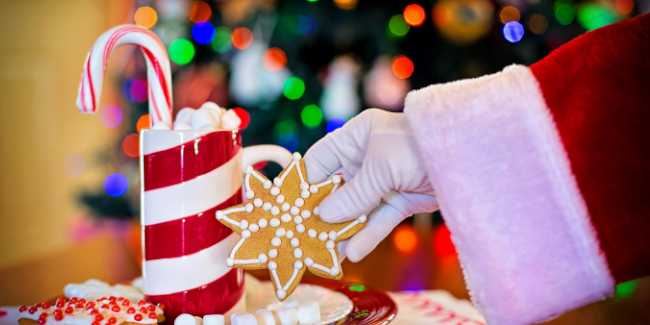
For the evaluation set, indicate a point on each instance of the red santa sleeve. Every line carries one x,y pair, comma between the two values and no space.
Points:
542,173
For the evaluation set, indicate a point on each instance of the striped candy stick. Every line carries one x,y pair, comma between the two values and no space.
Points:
158,72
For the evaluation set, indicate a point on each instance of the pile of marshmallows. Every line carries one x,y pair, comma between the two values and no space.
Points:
209,117
289,313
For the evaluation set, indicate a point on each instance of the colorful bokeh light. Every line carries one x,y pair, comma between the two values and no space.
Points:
397,26
564,13
203,32
402,67
244,116
242,38
131,145
625,7
135,90
288,141
538,24
626,288
405,239
274,59
74,165
442,243
143,122
592,16
181,51
509,13
414,15
110,116
334,124
116,185
293,88
285,126
345,4
200,11
222,40
145,17
513,31
307,24
311,116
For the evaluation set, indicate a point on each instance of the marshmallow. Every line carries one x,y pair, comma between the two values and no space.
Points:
184,115
264,317
214,109
182,126
185,319
204,119
243,319
230,120
162,125
214,320
309,312
290,304
274,306
287,315
199,320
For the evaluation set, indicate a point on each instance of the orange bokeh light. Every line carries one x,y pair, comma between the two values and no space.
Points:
442,15
414,15
242,38
143,122
402,66
624,6
131,145
200,11
509,13
274,59
145,17
442,242
405,239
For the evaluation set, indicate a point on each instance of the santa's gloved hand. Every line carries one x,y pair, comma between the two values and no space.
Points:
384,173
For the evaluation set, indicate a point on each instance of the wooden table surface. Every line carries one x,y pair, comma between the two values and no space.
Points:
418,265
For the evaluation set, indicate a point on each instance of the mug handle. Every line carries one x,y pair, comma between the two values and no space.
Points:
266,152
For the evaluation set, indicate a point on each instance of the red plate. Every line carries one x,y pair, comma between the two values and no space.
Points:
371,306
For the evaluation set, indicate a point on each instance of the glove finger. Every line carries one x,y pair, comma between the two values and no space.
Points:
341,247
381,222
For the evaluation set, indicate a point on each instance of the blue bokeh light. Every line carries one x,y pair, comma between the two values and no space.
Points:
307,24
203,32
334,124
135,90
513,31
116,185
288,141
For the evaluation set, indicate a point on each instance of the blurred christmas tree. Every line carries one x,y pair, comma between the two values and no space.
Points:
301,68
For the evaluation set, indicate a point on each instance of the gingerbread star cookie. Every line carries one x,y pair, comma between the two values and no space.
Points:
280,228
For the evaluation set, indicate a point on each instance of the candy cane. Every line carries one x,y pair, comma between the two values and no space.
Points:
158,72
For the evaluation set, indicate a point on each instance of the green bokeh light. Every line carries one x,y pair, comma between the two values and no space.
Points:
594,16
293,88
222,40
311,116
625,289
397,26
284,127
357,287
181,51
565,13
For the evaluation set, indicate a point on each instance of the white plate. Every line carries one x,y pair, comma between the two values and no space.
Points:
333,305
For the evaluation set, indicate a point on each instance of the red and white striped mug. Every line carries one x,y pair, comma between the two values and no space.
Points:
186,177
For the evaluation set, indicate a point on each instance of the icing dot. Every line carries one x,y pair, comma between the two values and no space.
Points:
289,234
278,182
305,214
299,202
275,211
297,253
304,194
230,261
219,215
262,223
276,241
313,189
312,233
267,206
298,265
296,156
297,219
309,261
285,217
286,206
246,234
300,228
273,253
363,218
317,211
250,194
304,186
334,270
243,224
275,190
258,202
336,179
272,265
279,199
274,222
322,236
253,227
333,235
330,244
281,294
294,210
295,242
249,207
262,258
280,232
267,184
249,169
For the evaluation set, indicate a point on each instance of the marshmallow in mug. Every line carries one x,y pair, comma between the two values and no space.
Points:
94,289
209,117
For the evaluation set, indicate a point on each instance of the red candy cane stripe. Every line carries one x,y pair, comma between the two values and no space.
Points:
158,71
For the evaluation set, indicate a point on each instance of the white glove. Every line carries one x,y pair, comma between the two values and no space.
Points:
378,151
